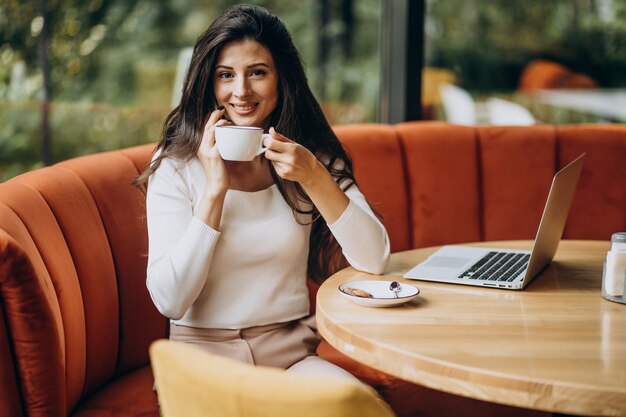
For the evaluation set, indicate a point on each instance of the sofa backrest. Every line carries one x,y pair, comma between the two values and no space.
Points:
74,243
436,183
379,168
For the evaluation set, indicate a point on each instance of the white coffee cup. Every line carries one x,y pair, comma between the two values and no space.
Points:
239,143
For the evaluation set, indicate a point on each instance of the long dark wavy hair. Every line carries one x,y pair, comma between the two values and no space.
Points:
298,116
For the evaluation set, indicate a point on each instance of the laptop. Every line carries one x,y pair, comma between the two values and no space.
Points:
504,268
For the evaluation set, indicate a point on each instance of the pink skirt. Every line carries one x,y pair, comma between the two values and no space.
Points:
279,345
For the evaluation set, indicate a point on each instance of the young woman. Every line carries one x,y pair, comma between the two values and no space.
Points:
231,244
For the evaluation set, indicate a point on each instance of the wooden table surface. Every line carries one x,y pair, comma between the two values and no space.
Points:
555,346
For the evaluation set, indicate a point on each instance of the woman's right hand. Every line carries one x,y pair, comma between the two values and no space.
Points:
209,209
215,172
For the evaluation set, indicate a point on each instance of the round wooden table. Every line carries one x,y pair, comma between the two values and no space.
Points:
555,346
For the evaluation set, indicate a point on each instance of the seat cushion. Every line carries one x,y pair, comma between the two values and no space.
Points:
128,396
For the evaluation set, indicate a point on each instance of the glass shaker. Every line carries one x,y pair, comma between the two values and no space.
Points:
614,271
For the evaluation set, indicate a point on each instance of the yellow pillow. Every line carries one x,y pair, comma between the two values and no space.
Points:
194,383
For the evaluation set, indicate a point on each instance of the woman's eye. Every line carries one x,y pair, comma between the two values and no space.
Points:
257,73
224,75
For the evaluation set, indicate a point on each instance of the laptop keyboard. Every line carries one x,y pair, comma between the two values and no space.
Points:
497,266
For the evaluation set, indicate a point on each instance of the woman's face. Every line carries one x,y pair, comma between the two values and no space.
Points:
246,82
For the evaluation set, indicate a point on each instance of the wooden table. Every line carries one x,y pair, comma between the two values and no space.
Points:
555,346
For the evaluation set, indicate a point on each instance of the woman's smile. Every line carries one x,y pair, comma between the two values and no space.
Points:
243,109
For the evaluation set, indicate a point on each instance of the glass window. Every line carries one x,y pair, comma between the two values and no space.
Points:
113,67
560,61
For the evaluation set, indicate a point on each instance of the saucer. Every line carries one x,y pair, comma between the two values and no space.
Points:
382,296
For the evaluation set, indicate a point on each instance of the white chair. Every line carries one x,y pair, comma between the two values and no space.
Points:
184,59
458,105
503,112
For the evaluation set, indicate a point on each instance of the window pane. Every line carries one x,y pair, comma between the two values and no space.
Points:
525,53
113,67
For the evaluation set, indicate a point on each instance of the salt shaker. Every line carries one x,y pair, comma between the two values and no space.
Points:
615,269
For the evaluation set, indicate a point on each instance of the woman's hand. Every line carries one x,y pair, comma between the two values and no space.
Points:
209,210
215,172
294,162
291,160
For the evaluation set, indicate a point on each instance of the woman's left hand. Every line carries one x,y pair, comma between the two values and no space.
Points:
291,160
294,162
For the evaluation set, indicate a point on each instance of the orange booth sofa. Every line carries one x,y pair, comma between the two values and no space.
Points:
75,316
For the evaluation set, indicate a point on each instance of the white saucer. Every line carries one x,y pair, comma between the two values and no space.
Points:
382,295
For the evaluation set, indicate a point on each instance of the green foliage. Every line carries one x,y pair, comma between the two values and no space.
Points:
487,43
125,52
77,129
113,64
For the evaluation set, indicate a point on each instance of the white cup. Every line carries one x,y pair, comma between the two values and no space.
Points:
239,143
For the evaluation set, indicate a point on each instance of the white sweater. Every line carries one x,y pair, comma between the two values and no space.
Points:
251,273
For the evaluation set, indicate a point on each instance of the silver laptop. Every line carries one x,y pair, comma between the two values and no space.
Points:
503,268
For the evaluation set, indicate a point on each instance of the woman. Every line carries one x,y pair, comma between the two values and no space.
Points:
231,243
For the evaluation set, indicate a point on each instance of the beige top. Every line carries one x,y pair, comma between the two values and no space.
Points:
556,346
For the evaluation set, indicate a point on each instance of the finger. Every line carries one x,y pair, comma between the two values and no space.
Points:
214,120
278,142
277,145
220,122
281,169
214,116
274,134
273,156
283,162
208,137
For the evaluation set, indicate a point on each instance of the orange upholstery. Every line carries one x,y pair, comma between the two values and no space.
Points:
378,167
74,246
542,74
517,166
599,206
75,316
441,168
9,392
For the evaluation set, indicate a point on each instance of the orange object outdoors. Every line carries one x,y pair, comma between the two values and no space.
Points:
542,74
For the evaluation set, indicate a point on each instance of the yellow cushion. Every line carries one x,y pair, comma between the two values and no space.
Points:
194,383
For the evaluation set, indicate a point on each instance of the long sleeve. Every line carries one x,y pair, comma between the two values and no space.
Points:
180,246
362,237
